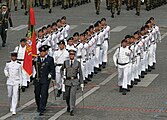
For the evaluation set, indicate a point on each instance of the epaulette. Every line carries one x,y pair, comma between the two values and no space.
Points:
65,25
61,29
18,62
8,61
46,36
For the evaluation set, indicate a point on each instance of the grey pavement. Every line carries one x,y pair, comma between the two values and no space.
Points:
142,103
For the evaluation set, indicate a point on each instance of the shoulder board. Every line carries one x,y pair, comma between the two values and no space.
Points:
46,36
18,62
61,29
8,61
65,25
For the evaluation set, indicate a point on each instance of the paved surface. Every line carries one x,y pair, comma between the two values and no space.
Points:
104,102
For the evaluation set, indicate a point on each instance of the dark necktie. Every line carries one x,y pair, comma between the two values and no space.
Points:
42,60
71,63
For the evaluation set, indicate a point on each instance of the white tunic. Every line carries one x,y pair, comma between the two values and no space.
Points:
13,72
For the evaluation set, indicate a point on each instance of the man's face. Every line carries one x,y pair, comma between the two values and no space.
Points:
54,27
63,21
71,55
70,42
103,22
76,38
49,29
43,53
61,46
13,58
23,44
44,31
4,9
40,34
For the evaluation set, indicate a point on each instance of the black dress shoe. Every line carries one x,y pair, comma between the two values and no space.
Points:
26,12
59,93
85,82
72,113
50,10
21,6
15,9
118,13
137,13
68,109
3,45
97,13
23,88
41,113
112,15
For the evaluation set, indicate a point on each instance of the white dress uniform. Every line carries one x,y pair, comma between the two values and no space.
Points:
121,60
105,44
61,36
66,31
49,42
13,72
81,57
20,57
59,57
157,39
55,40
68,47
100,42
91,44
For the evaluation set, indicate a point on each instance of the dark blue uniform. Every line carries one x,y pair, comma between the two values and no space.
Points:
42,81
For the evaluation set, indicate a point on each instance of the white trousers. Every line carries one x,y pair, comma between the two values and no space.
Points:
105,49
150,55
154,52
58,77
13,96
123,76
97,56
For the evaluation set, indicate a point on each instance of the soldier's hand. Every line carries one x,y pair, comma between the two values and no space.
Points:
82,86
6,29
49,76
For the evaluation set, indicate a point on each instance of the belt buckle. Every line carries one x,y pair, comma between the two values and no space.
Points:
72,78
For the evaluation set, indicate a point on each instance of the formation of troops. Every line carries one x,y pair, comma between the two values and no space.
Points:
112,5
115,5
71,62
137,55
67,61
44,4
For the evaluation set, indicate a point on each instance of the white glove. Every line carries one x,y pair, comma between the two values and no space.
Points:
6,29
7,75
82,86
49,76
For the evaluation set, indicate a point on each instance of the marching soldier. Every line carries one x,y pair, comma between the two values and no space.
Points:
45,71
27,5
137,4
9,4
72,74
105,42
59,57
130,5
121,61
13,72
20,50
4,19
112,7
97,6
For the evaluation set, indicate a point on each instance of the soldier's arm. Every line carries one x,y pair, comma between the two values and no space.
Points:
6,70
80,74
52,69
